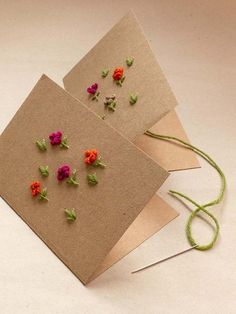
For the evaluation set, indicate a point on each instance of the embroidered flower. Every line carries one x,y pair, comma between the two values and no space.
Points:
35,188
91,158
118,76
63,172
55,138
110,102
92,89
118,73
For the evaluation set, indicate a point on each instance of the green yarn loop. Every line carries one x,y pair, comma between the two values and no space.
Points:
199,208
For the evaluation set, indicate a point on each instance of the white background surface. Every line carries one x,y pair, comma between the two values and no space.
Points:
194,42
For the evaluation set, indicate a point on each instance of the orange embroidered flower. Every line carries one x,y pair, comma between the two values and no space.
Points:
118,74
35,188
90,156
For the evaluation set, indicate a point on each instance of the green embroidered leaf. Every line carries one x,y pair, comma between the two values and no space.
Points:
105,72
129,61
95,97
64,143
122,79
92,179
99,163
44,171
43,195
72,179
70,214
133,99
41,144
112,105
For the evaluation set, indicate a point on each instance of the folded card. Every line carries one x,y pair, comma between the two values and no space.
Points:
104,210
141,100
122,64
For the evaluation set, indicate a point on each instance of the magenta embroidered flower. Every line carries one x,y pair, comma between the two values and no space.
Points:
63,172
55,138
92,89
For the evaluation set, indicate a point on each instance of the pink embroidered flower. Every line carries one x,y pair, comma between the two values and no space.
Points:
92,89
63,172
55,138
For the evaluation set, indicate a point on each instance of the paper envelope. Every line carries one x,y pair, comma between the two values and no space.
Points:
104,212
146,79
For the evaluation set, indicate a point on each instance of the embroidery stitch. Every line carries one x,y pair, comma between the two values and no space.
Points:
92,90
118,76
129,61
91,158
92,179
41,144
70,214
105,73
73,178
63,172
36,191
56,139
110,102
44,171
133,99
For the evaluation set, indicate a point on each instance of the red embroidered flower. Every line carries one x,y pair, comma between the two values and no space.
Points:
92,89
90,156
55,138
118,73
63,172
35,188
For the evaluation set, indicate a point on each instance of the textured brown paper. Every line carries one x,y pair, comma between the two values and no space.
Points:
144,77
170,156
105,211
156,214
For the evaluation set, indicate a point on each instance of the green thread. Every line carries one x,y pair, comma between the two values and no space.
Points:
92,179
199,208
130,61
41,144
133,99
73,178
64,143
44,171
105,73
70,214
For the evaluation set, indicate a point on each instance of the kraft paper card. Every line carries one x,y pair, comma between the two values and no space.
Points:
144,77
156,214
125,42
104,211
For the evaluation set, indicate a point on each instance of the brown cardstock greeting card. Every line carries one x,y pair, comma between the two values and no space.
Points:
145,78
104,211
